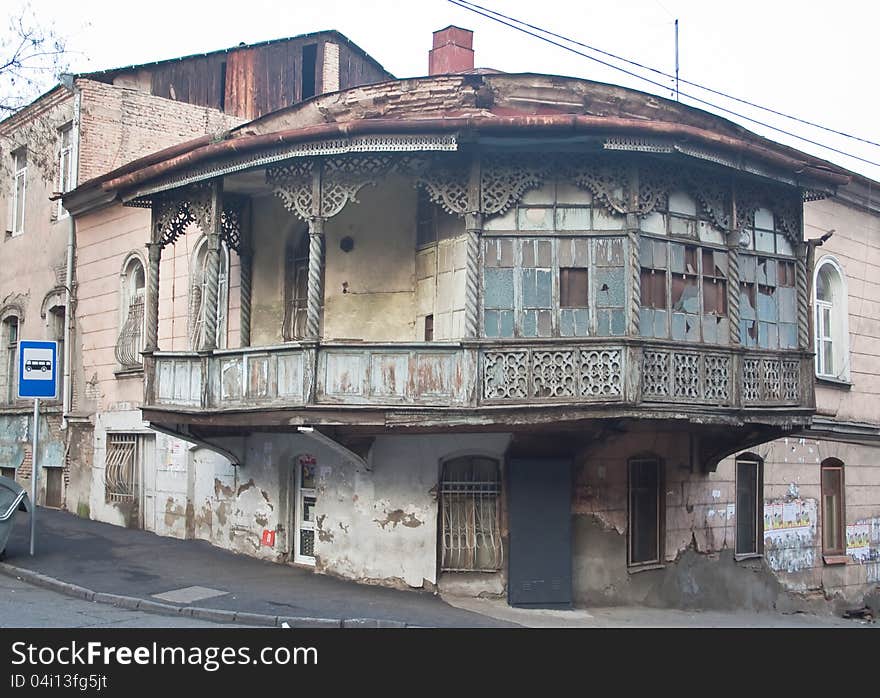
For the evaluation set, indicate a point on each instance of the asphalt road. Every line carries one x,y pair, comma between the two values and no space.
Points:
25,606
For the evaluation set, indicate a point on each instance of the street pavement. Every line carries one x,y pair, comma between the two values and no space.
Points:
114,560
127,567
26,606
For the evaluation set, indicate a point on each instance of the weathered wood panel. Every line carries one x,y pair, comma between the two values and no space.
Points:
389,374
381,376
290,376
180,381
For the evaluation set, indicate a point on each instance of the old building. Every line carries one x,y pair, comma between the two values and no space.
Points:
491,333
83,128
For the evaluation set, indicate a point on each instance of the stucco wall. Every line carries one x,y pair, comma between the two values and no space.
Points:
855,245
381,524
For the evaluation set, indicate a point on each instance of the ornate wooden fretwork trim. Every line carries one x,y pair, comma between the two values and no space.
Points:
175,213
640,145
446,182
607,180
292,183
786,206
504,179
341,178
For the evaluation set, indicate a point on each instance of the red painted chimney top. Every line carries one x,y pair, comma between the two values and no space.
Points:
452,51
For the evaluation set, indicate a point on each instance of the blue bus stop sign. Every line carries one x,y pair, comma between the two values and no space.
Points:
37,369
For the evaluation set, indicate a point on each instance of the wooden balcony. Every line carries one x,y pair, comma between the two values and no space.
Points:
589,377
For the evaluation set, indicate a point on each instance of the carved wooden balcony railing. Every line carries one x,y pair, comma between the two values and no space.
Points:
592,373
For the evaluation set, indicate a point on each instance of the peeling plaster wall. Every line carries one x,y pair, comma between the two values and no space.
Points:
699,538
381,525
792,489
233,506
16,450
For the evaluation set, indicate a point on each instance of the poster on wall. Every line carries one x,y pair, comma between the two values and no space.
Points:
858,542
787,523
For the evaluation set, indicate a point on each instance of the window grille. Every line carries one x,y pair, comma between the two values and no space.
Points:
470,512
119,473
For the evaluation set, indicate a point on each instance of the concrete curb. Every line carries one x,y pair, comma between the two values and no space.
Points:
215,615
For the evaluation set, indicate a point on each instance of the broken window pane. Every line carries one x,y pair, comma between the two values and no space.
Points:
685,294
714,296
610,287
573,288
653,289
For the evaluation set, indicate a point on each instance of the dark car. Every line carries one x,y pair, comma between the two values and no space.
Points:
13,497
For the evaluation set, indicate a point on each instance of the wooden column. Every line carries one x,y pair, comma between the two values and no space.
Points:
733,276
474,227
633,227
245,260
212,269
316,272
803,280
151,309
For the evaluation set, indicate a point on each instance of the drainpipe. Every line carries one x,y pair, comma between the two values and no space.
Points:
68,325
69,300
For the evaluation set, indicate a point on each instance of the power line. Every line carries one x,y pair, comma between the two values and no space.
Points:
502,19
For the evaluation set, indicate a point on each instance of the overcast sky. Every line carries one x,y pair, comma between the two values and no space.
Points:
813,60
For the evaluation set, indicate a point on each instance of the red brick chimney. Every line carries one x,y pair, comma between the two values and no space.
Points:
453,51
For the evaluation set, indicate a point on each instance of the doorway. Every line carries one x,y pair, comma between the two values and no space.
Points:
54,487
539,505
303,509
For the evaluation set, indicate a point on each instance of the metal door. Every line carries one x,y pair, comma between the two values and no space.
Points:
539,506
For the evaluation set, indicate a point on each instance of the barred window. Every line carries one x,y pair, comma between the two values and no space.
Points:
130,342
120,474
470,515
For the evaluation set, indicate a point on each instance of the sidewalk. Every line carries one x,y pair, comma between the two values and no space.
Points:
127,567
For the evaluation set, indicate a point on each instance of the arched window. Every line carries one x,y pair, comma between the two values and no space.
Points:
833,508
9,331
830,326
131,304
749,504
198,290
470,489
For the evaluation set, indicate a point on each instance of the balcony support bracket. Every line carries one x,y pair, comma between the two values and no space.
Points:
182,432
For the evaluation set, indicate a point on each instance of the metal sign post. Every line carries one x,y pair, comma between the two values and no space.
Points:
34,471
37,377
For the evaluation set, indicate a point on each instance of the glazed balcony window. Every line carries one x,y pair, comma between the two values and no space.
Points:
568,282
768,294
